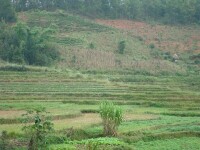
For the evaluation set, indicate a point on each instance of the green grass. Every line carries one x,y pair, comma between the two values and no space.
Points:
99,143
171,144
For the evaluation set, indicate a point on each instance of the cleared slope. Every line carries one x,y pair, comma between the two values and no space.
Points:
85,44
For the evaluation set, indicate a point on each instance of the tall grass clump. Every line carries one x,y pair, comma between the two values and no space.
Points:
112,118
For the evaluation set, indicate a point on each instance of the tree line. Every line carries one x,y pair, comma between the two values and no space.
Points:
24,45
167,11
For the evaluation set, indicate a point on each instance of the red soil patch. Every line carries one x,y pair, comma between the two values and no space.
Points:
122,24
167,38
195,38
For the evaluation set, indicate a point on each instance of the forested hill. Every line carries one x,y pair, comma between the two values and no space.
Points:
166,11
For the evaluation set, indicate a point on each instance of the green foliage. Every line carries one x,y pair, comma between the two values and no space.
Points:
197,62
39,130
121,47
112,118
63,147
184,143
152,46
122,147
91,144
91,45
20,44
7,12
167,56
4,143
102,141
196,59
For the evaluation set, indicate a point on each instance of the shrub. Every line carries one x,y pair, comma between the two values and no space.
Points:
39,130
167,56
121,47
152,46
197,61
112,118
91,46
85,111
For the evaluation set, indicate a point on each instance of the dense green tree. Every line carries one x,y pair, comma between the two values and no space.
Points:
167,11
197,12
21,5
20,44
7,12
11,46
181,11
92,8
105,7
133,8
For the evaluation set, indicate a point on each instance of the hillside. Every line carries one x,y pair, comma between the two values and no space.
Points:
89,44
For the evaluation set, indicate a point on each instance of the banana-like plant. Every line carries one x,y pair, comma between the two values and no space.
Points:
112,117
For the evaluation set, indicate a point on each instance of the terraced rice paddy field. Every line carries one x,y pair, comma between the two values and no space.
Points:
162,111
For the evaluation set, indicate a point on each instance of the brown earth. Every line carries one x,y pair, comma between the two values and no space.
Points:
11,114
122,24
89,119
172,39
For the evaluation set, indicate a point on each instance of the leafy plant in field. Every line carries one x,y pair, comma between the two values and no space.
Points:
92,145
4,143
100,143
104,143
151,46
121,47
112,118
91,45
39,130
